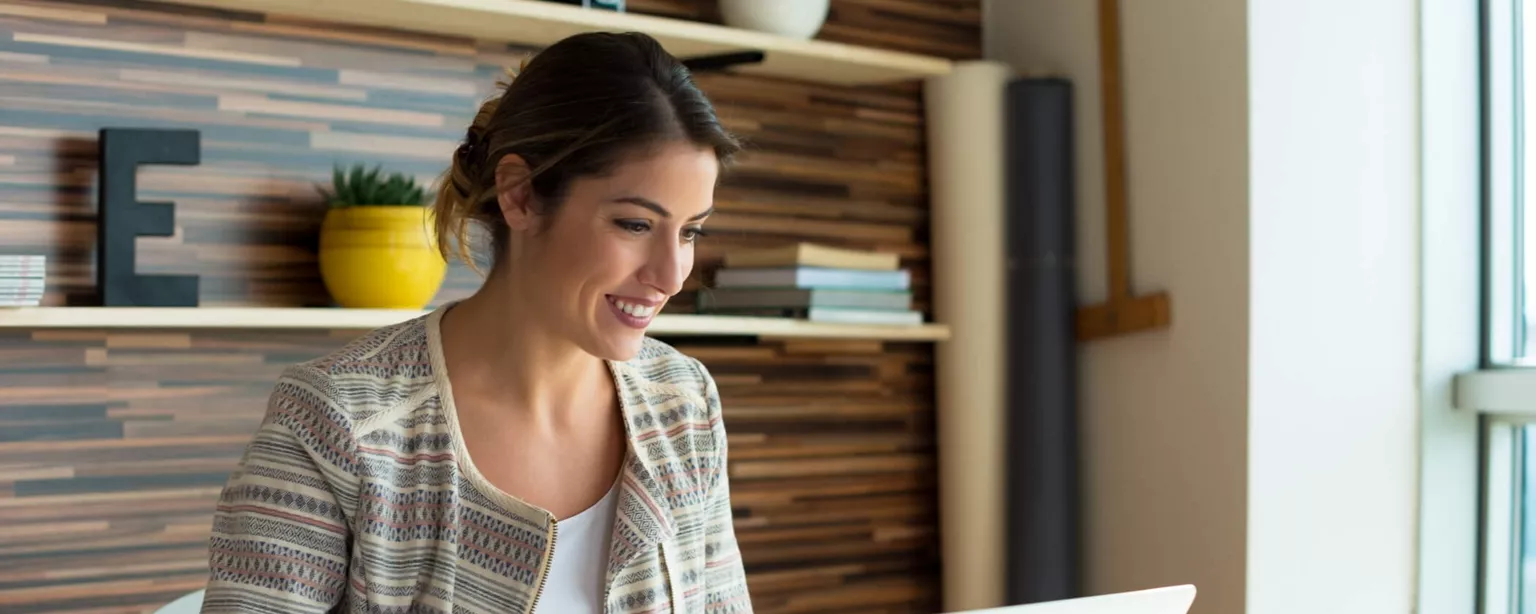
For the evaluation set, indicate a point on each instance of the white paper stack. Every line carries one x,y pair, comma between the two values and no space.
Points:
21,280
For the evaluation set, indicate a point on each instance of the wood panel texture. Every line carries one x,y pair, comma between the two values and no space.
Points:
113,444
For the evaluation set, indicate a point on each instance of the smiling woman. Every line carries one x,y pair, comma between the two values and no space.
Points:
526,449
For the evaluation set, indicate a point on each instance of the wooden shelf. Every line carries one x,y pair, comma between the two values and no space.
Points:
539,23
363,319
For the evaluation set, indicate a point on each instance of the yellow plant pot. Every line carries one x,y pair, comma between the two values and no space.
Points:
380,257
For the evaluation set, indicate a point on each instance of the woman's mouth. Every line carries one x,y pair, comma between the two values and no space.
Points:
634,313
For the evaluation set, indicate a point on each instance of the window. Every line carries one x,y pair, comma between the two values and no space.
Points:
1506,341
1503,390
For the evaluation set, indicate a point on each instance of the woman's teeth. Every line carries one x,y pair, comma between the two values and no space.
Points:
639,311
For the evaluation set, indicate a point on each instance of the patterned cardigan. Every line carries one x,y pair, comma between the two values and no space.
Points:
356,495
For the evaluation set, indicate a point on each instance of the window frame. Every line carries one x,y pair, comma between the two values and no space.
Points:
1499,391
1452,562
1502,184
1501,530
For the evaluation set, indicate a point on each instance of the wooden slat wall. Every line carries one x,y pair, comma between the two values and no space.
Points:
112,451
832,472
112,446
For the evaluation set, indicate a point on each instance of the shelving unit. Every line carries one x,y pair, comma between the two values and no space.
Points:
884,384
276,318
537,22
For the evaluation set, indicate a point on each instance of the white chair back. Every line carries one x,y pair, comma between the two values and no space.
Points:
190,603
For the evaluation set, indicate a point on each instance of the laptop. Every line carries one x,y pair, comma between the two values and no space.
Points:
1166,600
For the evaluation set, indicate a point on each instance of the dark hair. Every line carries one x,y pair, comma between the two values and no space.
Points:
575,109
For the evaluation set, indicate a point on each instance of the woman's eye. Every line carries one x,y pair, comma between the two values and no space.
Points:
633,226
693,234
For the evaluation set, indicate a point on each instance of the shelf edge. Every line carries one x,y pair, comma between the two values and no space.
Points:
877,64
322,318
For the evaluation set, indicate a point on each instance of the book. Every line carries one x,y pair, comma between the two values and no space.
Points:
813,278
864,316
21,271
22,262
811,255
836,315
728,298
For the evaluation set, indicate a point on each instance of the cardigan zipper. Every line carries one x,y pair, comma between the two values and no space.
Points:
549,554
668,577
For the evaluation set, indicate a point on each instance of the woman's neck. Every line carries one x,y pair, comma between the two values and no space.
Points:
498,349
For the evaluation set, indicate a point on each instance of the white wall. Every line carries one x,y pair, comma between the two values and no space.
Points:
1163,412
1333,171
1262,448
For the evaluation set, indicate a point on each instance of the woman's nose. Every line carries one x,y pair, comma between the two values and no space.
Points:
668,267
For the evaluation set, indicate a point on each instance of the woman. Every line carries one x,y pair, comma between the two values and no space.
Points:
526,449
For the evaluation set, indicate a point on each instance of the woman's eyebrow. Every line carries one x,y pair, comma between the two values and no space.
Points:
660,210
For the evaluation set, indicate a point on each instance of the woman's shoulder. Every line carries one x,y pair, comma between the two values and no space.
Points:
675,408
369,374
660,364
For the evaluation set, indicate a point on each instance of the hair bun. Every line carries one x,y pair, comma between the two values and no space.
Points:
470,155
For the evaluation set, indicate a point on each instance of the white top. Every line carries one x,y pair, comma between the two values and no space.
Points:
579,565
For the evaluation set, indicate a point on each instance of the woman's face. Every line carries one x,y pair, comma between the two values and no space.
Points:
602,265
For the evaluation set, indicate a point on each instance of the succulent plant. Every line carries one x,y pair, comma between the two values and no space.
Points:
361,186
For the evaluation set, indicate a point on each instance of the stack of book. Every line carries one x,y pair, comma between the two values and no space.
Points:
813,282
21,280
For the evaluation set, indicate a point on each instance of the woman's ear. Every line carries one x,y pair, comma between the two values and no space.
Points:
514,192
